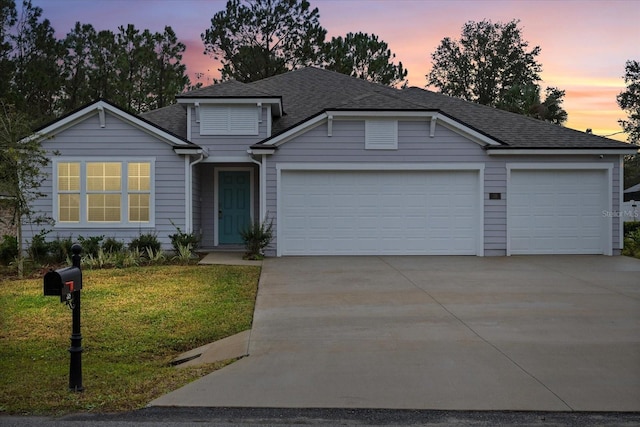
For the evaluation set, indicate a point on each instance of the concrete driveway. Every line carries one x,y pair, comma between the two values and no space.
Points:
550,333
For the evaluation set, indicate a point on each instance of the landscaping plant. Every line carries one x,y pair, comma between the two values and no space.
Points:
632,243
144,242
8,249
256,237
182,239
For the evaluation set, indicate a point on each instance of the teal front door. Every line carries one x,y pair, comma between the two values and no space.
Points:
234,188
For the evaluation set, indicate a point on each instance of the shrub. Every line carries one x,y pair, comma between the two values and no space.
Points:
181,239
99,260
155,257
632,244
129,258
111,245
8,249
39,248
184,254
145,242
631,226
256,237
60,249
90,245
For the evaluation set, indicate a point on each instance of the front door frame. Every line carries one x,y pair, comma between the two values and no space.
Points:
216,200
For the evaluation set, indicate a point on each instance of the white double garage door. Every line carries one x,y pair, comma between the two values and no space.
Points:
438,212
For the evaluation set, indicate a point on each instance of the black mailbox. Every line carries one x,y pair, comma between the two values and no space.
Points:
63,282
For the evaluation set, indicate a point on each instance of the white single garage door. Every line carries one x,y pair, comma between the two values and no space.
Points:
379,212
557,212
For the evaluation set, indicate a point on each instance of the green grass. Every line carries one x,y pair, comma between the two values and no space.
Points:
134,321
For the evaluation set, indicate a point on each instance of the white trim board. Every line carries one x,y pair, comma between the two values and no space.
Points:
380,166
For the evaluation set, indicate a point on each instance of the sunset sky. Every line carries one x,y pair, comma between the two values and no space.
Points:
584,43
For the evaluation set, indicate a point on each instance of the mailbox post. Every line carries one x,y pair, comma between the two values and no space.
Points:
67,283
75,366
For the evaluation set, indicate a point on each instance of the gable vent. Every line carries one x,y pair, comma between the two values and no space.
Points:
228,120
381,134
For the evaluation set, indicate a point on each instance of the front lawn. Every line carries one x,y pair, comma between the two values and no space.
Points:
134,321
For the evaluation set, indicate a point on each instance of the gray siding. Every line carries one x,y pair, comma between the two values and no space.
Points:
118,140
231,145
415,146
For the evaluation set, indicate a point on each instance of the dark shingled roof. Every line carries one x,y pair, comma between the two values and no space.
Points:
309,91
173,118
514,130
228,89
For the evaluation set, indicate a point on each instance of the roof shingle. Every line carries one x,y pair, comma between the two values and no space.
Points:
309,91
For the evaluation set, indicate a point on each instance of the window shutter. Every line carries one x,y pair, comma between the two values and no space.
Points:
381,134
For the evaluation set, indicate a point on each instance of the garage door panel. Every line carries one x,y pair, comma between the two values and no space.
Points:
557,211
383,212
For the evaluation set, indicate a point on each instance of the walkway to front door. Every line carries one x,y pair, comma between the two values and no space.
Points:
233,205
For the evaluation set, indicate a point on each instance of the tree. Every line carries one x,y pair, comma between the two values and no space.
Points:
168,78
526,100
77,66
631,170
486,63
629,101
21,163
363,56
103,73
137,70
133,59
35,84
255,39
8,17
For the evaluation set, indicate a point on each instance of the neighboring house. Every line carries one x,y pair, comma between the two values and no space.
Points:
341,166
630,206
632,193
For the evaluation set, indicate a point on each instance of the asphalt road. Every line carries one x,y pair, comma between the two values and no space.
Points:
225,417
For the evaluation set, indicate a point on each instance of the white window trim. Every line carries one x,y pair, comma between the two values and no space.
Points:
124,204
371,125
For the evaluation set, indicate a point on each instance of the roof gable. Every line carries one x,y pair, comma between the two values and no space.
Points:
100,107
433,116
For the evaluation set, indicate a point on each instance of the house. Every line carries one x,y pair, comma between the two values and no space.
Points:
341,166
630,210
632,193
